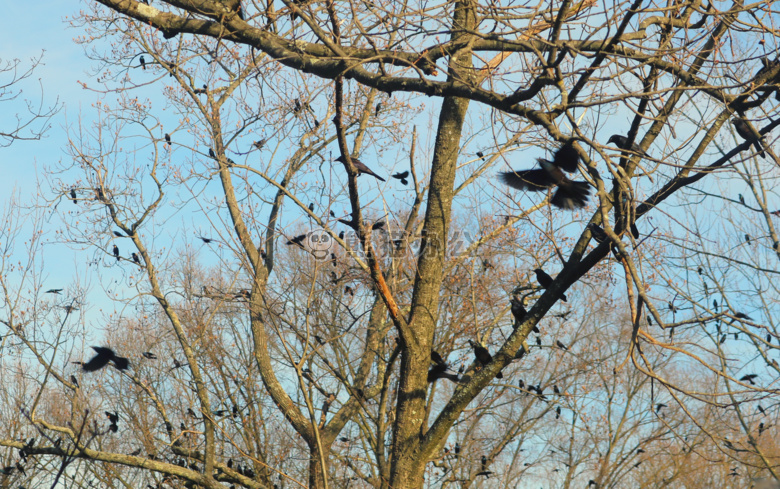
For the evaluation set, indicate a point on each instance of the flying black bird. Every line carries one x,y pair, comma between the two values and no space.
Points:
205,240
259,144
545,281
439,371
560,345
570,194
659,406
135,258
436,358
116,252
749,378
483,356
73,196
349,290
518,311
53,291
297,240
746,132
101,359
149,355
622,143
360,167
142,61
113,418
401,176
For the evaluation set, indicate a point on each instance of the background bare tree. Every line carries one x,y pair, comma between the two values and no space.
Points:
281,309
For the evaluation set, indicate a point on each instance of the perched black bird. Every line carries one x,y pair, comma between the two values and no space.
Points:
101,359
557,412
212,153
622,143
378,108
142,61
149,355
747,238
480,154
378,225
74,381
116,252
360,167
119,235
556,389
53,291
545,281
746,132
135,258
598,234
259,144
311,206
73,196
570,194
167,138
560,345
518,311
749,378
483,356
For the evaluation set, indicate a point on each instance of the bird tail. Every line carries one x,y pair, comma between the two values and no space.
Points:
759,143
573,195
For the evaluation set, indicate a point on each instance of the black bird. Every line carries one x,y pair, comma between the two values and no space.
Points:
73,196
556,389
167,138
212,154
101,359
119,235
113,418
746,132
401,176
761,410
439,371
436,358
598,233
53,291
116,252
570,194
484,462
480,154
297,240
457,448
659,406
518,311
483,356
557,412
135,258
149,355
360,167
560,345
378,225
74,381
205,240
545,281
378,108
142,61
741,199
349,290
622,143
311,206
747,238
749,378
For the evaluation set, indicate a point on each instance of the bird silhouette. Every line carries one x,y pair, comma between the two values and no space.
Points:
53,291
570,194
149,355
142,61
748,134
360,167
483,356
102,358
545,281
439,371
622,143
116,252
401,176
73,196
135,258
